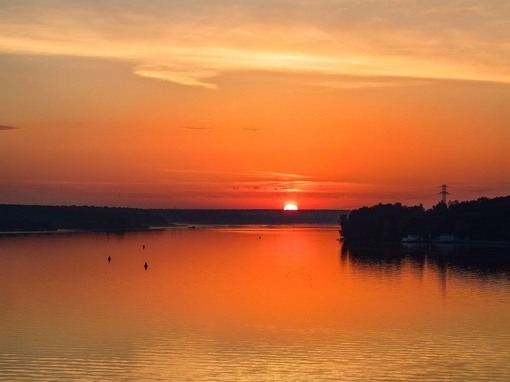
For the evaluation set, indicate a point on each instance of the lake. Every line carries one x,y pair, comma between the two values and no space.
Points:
249,304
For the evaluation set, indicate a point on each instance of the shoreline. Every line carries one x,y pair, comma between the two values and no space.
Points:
175,226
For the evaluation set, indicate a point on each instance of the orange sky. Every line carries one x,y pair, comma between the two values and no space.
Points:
252,104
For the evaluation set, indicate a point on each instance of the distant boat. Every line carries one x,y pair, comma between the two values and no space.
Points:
412,239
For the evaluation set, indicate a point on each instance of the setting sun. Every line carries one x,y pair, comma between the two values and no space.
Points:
290,207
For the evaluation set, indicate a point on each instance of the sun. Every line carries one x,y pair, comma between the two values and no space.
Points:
290,207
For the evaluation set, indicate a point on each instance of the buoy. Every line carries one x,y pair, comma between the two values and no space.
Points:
143,246
145,266
109,259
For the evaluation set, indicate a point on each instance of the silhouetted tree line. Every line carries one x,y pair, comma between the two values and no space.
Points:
47,218
481,219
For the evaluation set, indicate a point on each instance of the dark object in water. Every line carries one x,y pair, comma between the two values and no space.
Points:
143,247
109,259
145,266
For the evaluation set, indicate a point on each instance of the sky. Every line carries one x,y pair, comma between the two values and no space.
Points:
332,104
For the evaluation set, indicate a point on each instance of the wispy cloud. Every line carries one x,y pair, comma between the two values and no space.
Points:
4,128
251,129
367,82
248,129
261,175
196,128
278,175
193,45
191,75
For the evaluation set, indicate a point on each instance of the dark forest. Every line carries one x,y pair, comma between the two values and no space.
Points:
481,219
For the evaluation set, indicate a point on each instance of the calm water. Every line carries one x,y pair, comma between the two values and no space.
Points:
224,305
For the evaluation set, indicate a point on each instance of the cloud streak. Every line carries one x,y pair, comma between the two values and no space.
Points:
260,175
5,128
196,128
